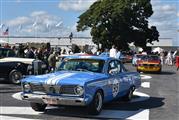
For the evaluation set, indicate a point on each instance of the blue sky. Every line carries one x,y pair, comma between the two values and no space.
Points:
59,17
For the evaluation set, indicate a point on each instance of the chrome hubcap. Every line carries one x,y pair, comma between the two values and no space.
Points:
16,76
98,101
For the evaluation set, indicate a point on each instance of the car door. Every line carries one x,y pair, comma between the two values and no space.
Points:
115,81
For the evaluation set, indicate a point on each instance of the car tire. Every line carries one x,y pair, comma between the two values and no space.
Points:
95,107
38,106
138,71
129,95
159,71
15,76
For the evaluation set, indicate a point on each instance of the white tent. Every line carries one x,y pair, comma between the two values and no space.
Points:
157,49
2,41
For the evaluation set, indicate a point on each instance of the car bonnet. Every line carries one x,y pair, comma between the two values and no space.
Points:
65,77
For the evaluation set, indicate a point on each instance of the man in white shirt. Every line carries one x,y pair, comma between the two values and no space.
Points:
113,52
119,54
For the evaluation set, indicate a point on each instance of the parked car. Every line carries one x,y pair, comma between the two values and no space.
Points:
14,69
6,52
136,58
149,63
81,81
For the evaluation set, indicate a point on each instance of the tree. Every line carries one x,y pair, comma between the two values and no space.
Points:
119,22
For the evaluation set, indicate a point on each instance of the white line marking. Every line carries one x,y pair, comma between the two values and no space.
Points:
145,84
14,118
17,96
145,77
143,115
142,97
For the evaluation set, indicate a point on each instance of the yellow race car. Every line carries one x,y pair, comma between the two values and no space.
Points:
149,63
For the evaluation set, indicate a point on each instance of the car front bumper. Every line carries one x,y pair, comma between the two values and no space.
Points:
55,100
149,69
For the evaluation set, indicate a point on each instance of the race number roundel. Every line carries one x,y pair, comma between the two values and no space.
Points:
115,88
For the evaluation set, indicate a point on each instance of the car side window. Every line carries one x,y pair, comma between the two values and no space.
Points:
114,67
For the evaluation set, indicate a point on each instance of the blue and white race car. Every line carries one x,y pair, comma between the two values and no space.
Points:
81,81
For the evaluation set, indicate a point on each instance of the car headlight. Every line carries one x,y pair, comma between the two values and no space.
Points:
29,67
27,87
79,90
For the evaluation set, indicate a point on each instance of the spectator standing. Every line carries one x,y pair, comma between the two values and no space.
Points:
39,54
98,52
52,61
169,58
162,56
176,53
30,53
113,52
118,55
20,52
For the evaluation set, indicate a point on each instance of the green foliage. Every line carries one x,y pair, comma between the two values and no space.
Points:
119,22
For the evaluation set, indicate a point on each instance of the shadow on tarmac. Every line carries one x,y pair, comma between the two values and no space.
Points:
81,112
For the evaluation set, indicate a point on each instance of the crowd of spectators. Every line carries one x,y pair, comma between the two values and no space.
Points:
49,55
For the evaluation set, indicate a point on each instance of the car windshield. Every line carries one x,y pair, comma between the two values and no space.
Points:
150,57
140,56
87,65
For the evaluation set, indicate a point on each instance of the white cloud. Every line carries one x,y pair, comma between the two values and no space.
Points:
45,24
168,8
178,14
18,21
38,13
75,5
164,18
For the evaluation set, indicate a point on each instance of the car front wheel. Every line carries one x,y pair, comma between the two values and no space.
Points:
38,106
129,95
15,76
95,106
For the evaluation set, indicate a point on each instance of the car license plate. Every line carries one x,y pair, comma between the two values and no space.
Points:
51,101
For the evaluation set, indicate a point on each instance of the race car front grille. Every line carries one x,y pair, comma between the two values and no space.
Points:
67,89
37,88
49,89
151,65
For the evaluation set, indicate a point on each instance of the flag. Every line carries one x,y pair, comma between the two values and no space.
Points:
47,25
1,26
58,24
34,24
19,28
6,32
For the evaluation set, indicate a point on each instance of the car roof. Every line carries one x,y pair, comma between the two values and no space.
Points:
90,57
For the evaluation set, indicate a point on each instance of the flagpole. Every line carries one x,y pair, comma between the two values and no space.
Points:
8,35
